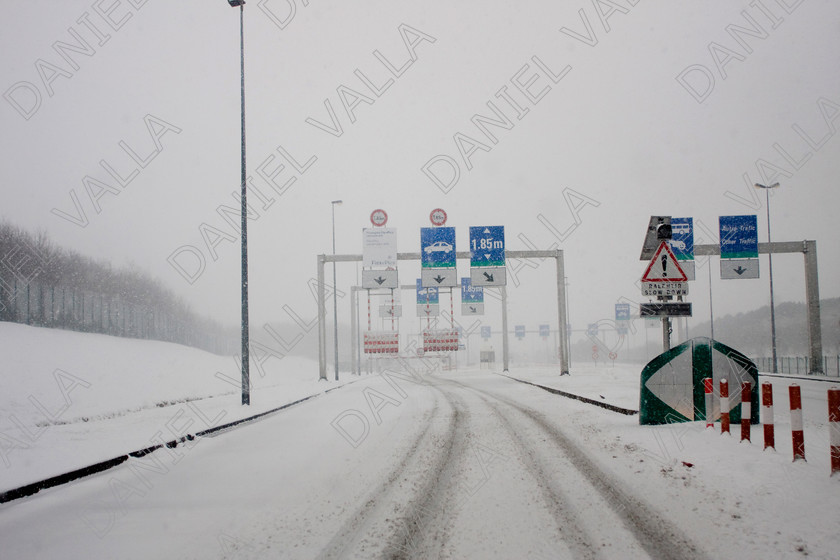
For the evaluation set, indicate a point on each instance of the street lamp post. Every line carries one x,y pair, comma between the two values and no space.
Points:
770,256
246,381
335,290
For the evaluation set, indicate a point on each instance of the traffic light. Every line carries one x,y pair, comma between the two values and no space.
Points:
663,228
659,230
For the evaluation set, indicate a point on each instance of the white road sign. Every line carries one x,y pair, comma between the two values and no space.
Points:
379,247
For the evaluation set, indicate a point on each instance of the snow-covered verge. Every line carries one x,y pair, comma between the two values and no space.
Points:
68,399
94,397
741,497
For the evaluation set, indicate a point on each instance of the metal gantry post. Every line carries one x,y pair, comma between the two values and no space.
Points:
812,296
354,327
563,345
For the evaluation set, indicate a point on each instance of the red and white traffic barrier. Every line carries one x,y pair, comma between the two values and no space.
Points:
767,415
796,432
709,386
746,412
834,428
724,406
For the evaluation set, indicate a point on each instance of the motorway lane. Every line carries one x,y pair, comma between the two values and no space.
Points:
441,466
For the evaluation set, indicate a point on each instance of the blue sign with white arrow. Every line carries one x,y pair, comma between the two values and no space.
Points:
437,247
487,246
485,332
738,237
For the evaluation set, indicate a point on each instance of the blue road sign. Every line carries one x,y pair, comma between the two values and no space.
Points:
545,331
738,237
485,332
437,247
592,329
622,311
519,330
487,246
470,293
682,238
426,295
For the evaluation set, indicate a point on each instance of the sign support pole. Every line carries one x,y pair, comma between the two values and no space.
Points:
505,360
562,319
666,334
322,323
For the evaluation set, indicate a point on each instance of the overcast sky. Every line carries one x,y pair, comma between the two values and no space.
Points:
119,129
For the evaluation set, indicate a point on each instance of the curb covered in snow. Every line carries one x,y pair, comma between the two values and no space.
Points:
35,487
612,407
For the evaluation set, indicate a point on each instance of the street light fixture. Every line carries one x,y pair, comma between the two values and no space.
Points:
246,381
770,255
335,290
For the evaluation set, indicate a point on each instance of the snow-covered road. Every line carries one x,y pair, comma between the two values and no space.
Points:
447,465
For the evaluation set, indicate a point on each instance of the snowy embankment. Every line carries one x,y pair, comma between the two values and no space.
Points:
68,399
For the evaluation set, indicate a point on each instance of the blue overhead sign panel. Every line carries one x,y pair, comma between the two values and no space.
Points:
485,332
519,330
545,331
682,238
622,311
487,246
470,293
427,295
437,247
738,237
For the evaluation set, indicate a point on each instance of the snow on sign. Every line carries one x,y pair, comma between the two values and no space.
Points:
487,246
437,247
664,276
738,237
379,247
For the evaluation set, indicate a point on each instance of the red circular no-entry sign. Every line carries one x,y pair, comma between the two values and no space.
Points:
438,217
378,217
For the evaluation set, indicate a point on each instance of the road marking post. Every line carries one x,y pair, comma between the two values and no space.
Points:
767,415
709,386
796,432
834,429
746,412
724,406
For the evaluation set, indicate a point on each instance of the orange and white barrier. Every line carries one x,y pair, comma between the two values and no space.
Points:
746,412
796,433
767,415
709,386
834,428
724,406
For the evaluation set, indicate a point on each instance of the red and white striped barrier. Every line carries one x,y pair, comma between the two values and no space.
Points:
746,412
709,386
834,428
767,415
724,406
796,433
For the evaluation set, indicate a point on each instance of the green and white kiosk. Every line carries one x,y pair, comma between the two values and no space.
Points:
672,383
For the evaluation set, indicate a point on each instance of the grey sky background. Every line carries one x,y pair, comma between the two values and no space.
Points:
587,157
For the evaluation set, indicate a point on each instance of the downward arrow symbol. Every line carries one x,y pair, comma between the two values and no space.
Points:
740,270
379,280
438,278
488,276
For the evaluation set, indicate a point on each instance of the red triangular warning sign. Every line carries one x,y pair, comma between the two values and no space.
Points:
664,267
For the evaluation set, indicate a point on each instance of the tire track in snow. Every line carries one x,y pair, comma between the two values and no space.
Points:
658,537
386,519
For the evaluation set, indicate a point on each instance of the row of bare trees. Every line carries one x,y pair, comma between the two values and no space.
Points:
45,285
